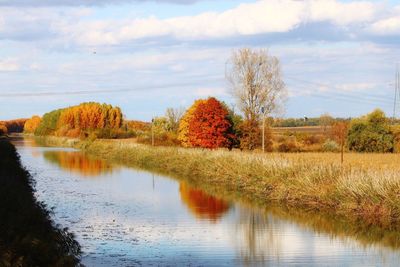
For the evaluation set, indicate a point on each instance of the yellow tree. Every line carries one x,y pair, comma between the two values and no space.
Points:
31,124
183,130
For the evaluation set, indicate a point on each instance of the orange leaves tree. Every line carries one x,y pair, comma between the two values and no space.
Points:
81,119
183,130
32,124
208,125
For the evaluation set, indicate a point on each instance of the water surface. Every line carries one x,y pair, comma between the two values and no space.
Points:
127,217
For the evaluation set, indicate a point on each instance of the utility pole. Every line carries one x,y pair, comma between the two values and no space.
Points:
152,131
396,91
263,129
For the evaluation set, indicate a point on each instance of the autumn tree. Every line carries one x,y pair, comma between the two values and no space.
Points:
183,129
371,133
32,124
3,129
256,83
81,119
14,126
209,126
173,116
325,121
339,133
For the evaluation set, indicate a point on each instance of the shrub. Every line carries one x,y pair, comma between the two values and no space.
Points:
371,134
49,123
251,135
330,146
289,146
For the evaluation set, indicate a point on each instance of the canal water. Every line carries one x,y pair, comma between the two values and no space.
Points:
127,217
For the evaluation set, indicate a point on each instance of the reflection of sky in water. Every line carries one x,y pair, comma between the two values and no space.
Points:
127,217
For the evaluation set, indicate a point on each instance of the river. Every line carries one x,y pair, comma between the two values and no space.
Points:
127,217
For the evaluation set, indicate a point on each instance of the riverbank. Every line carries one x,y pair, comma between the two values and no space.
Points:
366,187
28,237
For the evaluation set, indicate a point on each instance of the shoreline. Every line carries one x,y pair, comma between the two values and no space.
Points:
28,236
350,191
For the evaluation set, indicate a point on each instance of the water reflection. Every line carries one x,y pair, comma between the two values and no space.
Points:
132,217
201,204
77,162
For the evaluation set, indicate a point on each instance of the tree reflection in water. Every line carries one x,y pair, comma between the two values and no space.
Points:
201,204
78,162
255,232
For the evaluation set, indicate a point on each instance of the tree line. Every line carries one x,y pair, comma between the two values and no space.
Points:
77,121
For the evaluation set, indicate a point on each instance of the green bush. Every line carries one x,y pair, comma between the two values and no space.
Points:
371,134
49,122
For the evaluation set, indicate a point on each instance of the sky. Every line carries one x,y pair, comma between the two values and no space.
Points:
337,57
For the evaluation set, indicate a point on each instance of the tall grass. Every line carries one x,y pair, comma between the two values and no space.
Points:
366,187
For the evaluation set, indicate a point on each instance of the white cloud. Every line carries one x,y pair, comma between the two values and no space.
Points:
70,26
342,13
389,26
9,65
206,92
264,16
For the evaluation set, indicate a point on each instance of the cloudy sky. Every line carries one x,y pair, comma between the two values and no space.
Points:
337,56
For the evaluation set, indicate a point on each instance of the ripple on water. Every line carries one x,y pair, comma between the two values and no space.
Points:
124,217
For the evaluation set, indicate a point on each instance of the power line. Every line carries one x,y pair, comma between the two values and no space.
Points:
347,98
371,96
99,91
396,89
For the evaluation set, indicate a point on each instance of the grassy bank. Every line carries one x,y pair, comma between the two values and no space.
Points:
366,187
28,237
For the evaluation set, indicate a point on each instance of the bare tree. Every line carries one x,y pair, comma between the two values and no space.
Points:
173,116
255,81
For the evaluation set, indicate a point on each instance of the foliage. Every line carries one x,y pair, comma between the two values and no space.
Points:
32,124
330,146
3,129
183,129
14,126
288,146
396,132
236,121
326,120
251,135
160,139
81,120
173,116
49,123
136,126
209,126
371,134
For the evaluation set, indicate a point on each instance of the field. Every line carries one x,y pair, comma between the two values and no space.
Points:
300,129
366,186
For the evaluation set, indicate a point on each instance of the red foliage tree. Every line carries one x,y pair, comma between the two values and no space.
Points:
210,126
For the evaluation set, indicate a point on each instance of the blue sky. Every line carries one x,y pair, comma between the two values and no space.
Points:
337,57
